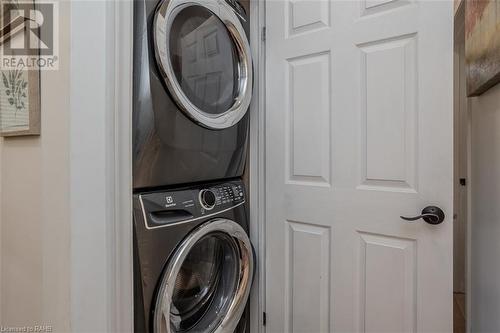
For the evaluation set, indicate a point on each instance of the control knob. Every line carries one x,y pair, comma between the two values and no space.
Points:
207,199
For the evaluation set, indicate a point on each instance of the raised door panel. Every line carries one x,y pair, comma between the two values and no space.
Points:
307,272
305,16
308,152
387,284
376,6
389,114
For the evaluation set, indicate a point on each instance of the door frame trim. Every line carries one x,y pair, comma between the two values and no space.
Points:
459,36
101,167
122,301
257,165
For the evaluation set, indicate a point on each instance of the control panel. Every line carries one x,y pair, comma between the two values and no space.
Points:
176,206
228,194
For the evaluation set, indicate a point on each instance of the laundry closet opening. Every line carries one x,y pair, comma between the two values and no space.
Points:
193,83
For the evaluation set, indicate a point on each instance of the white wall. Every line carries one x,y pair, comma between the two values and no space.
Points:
485,235
34,209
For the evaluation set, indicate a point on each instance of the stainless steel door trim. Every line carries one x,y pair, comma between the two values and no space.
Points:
246,268
166,12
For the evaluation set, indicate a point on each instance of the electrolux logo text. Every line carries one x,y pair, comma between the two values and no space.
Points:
29,35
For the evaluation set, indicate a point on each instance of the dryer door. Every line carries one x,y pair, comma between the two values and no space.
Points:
204,57
206,283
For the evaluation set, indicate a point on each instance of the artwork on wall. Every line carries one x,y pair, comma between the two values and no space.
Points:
19,86
19,102
482,45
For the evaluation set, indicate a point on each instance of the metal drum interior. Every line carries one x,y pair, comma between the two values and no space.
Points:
205,60
206,283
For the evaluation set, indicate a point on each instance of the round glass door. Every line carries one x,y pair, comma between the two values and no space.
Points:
207,281
205,60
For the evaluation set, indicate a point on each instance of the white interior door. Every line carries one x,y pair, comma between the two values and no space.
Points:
359,123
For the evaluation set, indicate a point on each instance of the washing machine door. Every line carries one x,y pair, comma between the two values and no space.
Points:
204,58
206,283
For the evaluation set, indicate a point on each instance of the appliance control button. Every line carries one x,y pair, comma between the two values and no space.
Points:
207,199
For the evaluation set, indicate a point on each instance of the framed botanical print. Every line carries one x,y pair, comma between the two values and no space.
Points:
19,86
19,102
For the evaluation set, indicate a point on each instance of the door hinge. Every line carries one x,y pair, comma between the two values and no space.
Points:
263,319
263,34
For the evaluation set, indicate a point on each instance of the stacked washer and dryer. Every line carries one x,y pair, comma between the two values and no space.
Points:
193,260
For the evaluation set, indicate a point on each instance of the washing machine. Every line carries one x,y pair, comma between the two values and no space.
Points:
193,260
192,87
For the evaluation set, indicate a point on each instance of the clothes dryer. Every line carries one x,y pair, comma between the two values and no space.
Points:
192,87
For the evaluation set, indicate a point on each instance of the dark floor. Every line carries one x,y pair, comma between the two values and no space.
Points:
458,313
